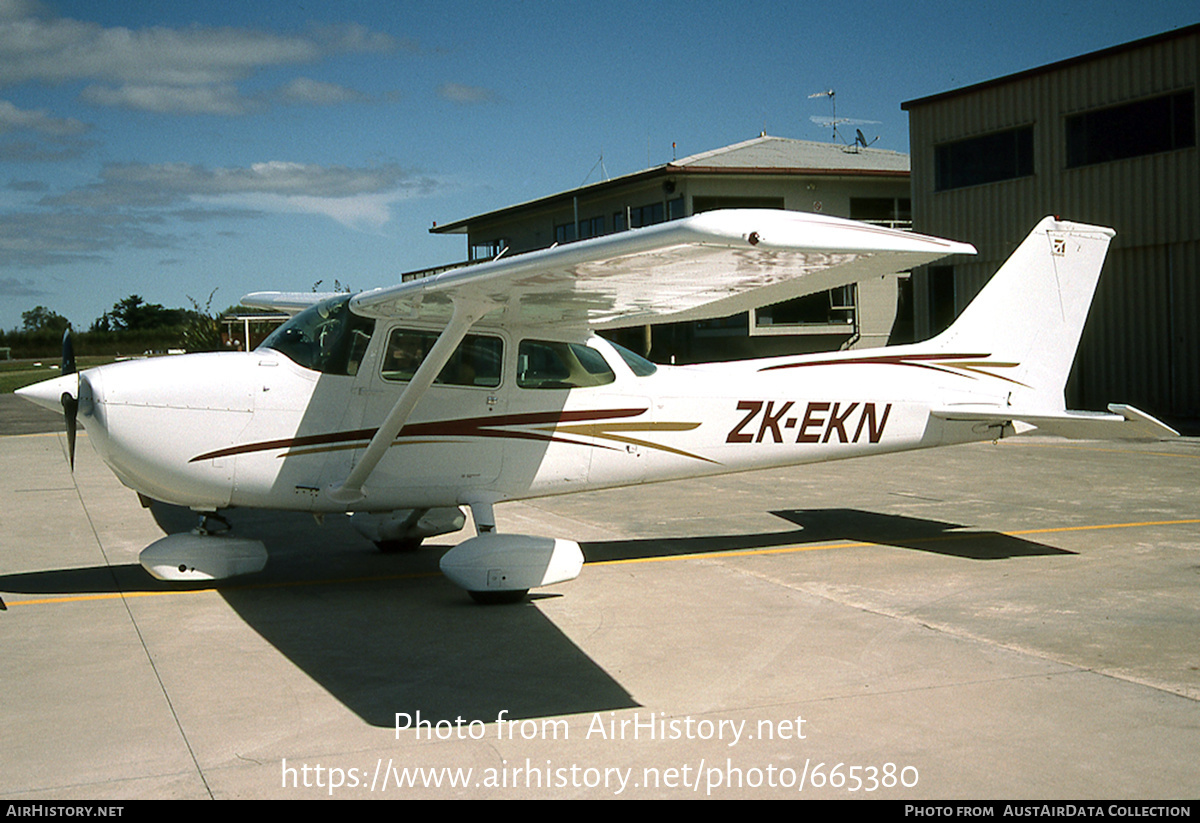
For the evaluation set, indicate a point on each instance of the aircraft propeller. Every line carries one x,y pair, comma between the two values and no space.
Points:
70,403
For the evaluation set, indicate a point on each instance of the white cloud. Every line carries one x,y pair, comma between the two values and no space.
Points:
35,240
157,184
303,90
25,151
60,50
218,99
162,69
134,205
363,211
458,93
19,9
13,118
12,287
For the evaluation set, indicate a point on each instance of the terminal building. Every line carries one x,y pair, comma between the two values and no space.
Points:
766,172
1107,138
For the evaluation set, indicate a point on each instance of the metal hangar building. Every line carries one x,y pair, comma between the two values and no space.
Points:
1109,138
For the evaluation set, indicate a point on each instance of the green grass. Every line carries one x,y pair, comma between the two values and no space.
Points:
17,373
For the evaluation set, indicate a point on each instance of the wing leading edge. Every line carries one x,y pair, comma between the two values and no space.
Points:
288,302
711,265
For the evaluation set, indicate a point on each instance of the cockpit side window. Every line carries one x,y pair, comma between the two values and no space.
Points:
476,362
327,337
543,364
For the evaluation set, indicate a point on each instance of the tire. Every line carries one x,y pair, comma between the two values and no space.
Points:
408,544
497,598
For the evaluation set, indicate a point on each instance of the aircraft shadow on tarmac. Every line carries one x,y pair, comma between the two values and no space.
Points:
829,525
386,634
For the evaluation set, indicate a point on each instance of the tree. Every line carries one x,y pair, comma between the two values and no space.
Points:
135,314
203,329
40,318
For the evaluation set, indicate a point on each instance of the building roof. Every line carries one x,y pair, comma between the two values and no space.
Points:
781,154
762,155
1053,67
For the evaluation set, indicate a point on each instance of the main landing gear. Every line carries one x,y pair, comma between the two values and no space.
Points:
502,568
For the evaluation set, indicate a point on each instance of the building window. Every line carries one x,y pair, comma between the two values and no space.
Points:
827,311
1133,129
893,212
487,250
675,209
646,215
569,232
1002,155
703,204
592,227
634,217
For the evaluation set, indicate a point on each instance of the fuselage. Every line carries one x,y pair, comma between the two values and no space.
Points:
517,414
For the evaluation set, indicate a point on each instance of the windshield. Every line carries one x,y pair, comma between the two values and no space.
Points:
637,364
327,337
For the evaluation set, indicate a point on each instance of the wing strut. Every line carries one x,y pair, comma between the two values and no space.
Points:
466,313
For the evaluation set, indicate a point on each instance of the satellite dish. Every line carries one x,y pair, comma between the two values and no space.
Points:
860,140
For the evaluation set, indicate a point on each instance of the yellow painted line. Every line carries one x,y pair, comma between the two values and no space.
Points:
210,589
725,554
44,434
1011,442
79,598
733,553
1107,526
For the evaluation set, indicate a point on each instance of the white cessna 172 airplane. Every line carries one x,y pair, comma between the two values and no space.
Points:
484,384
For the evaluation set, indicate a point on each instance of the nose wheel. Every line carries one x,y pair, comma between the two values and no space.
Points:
408,544
497,598
212,523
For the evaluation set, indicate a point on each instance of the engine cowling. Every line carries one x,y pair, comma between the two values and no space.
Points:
511,562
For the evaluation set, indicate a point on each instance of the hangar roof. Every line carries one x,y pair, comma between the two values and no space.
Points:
1186,31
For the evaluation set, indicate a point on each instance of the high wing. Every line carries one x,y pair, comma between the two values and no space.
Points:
288,302
711,265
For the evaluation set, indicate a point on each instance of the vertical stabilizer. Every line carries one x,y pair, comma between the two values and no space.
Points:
1031,313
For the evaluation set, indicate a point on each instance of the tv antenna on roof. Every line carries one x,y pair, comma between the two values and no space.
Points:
599,163
833,121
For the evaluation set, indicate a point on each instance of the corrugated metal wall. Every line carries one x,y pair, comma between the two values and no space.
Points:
1142,342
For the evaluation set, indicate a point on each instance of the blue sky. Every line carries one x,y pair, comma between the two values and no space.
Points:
169,149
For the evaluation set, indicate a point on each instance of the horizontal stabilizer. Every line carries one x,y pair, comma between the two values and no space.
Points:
1124,422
